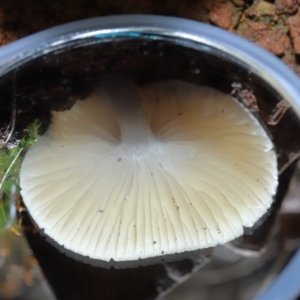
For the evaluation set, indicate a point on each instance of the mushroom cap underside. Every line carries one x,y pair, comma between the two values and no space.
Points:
206,169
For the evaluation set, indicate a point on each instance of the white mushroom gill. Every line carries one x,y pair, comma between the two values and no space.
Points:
132,173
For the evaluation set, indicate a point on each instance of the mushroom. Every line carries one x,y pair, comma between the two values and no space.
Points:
138,172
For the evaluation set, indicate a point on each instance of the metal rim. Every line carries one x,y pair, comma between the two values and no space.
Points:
266,66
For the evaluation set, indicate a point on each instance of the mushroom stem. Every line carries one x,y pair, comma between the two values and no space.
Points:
122,95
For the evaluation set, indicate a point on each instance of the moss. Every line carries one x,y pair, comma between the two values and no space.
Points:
31,135
10,163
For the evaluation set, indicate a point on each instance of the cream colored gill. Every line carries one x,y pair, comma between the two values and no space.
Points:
131,173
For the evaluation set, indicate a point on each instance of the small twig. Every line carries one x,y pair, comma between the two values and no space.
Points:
278,112
292,157
9,168
7,172
14,109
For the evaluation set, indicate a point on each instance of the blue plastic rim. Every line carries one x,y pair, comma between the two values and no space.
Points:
269,68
